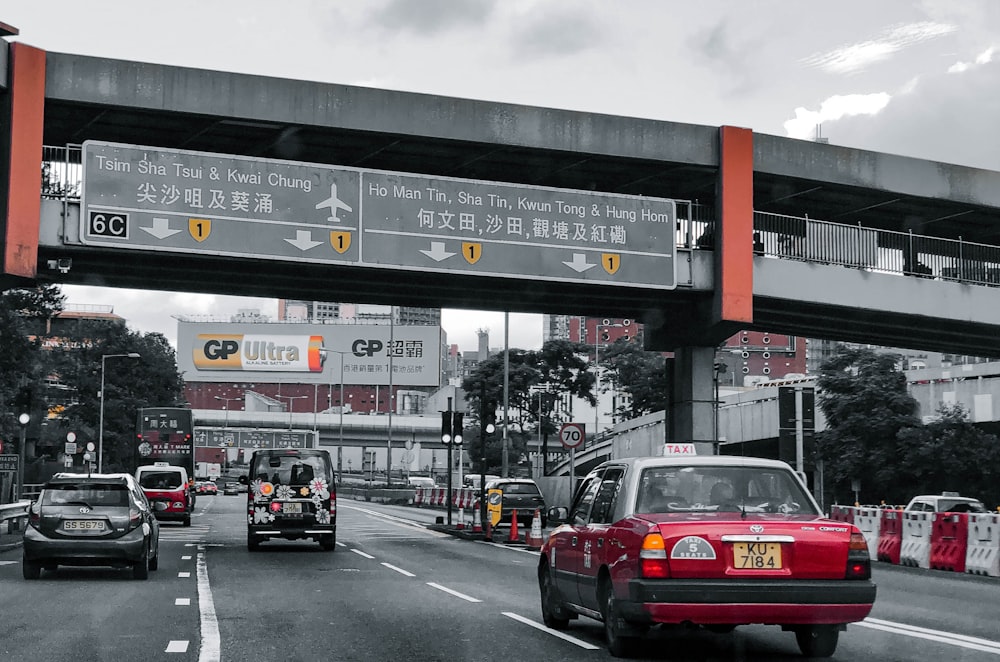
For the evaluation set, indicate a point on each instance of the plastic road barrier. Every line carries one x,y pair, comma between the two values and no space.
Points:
983,554
869,520
915,549
949,541
890,537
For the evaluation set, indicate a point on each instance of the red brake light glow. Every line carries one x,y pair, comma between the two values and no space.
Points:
653,557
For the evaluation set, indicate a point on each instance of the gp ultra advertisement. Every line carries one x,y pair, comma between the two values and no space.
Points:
309,353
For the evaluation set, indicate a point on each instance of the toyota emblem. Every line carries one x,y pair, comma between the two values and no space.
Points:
85,510
756,528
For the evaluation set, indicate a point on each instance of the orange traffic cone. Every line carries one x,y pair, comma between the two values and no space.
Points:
534,538
514,535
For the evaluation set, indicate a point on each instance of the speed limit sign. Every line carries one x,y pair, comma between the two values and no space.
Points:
572,434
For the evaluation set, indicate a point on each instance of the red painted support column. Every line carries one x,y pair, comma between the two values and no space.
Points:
734,261
20,224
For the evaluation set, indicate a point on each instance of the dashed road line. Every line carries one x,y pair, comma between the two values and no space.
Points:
360,553
182,602
547,630
399,570
468,598
176,646
211,642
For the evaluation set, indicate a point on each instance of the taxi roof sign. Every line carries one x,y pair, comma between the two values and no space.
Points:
679,449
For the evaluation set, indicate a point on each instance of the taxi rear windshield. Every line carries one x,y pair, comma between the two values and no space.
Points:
160,480
291,469
714,488
92,495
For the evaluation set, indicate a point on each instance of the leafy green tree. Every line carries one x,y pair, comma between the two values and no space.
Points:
641,374
866,404
558,368
129,384
949,453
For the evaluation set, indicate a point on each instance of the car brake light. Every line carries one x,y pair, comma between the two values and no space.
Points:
35,515
858,559
134,518
653,557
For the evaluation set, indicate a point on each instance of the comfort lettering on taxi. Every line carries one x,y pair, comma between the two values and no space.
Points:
833,528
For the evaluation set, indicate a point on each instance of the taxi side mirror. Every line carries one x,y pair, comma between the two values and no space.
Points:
558,514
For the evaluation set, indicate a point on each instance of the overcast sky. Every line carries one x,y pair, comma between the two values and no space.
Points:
911,77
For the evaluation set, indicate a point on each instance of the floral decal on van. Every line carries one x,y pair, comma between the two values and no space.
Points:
261,515
319,488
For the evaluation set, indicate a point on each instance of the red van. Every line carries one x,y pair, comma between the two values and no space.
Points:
168,491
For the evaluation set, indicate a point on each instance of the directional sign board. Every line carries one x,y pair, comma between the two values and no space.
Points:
165,200
8,462
572,434
252,438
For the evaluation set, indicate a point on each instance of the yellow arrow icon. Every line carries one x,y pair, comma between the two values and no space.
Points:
611,262
199,228
472,251
340,240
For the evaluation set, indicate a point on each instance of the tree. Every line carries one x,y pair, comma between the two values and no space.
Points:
641,374
949,453
129,384
866,404
557,368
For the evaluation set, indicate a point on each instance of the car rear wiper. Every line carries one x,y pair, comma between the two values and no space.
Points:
77,503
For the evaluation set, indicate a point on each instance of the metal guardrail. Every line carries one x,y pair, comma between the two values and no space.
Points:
14,514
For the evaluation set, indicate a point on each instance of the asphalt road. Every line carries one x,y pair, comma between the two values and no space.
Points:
396,590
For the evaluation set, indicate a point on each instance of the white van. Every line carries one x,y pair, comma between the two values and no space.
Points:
420,481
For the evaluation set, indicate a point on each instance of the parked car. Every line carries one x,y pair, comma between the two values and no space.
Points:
91,519
522,495
710,541
946,502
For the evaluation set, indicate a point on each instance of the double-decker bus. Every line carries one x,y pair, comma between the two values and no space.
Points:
164,434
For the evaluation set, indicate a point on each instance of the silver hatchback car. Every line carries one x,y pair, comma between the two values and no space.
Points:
91,520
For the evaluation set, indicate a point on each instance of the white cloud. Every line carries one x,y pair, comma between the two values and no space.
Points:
856,57
983,58
803,126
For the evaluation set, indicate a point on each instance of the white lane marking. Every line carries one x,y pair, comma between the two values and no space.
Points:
512,548
182,602
211,643
963,641
399,570
455,593
8,562
400,522
183,574
554,633
177,646
360,553
186,557
341,544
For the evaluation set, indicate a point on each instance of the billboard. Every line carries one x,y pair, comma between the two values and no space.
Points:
359,354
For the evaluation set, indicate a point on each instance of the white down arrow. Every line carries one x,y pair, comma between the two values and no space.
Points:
579,263
303,240
437,251
161,228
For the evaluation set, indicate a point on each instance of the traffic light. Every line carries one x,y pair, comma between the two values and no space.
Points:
490,417
451,427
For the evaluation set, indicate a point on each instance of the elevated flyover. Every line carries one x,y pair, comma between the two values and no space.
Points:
857,245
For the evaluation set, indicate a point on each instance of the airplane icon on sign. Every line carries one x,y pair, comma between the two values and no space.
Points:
333,203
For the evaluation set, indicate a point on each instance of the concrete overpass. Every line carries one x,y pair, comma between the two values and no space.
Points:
880,218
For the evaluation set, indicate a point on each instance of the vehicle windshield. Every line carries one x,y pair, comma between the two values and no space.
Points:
961,506
291,469
714,488
160,480
92,495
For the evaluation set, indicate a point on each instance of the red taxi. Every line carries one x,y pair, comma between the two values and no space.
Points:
712,541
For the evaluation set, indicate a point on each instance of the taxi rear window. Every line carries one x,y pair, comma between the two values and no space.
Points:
160,480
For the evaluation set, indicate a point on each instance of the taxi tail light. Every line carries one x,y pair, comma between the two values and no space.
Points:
653,557
859,565
35,515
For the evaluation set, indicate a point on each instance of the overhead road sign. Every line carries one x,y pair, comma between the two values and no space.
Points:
166,200
252,439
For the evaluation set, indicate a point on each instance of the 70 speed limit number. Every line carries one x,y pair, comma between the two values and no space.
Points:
572,434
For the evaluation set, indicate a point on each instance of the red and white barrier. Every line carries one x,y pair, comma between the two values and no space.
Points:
983,540
949,541
915,550
869,520
890,537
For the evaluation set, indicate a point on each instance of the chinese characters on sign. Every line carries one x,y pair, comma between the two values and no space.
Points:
195,202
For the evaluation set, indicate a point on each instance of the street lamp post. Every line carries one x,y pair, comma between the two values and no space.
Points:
291,405
597,375
100,426
340,432
227,401
23,420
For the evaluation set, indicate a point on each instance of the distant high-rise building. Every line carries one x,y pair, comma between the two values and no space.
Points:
291,310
